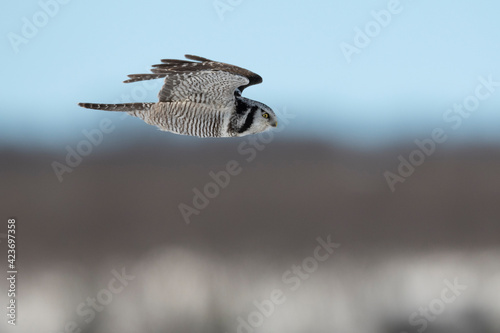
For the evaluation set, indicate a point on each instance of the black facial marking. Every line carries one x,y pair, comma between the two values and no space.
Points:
248,120
240,106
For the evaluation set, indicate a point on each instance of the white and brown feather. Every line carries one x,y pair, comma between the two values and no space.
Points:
187,118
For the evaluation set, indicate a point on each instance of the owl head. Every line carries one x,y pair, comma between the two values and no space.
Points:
254,117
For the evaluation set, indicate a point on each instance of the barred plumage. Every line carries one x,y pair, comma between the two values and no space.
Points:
201,98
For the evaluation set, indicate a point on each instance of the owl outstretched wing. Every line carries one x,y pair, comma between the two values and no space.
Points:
202,80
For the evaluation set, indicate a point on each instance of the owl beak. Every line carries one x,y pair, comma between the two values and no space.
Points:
274,123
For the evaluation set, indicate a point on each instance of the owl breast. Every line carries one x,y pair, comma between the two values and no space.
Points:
188,118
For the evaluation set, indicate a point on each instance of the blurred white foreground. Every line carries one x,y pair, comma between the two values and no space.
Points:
174,290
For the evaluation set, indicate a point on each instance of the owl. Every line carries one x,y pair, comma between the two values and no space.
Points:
200,98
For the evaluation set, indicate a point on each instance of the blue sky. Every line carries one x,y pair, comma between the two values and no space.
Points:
418,63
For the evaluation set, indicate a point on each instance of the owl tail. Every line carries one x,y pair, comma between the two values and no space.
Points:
126,107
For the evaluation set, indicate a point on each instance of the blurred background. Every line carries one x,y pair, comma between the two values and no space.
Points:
388,146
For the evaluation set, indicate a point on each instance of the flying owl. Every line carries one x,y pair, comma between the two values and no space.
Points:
200,98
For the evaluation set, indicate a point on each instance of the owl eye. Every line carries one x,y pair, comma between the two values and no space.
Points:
265,115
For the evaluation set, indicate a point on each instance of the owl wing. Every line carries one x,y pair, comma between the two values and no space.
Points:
202,80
